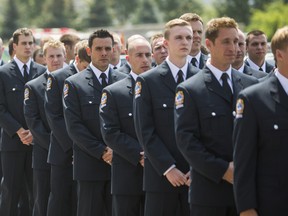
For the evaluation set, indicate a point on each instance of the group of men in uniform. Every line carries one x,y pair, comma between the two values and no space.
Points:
186,137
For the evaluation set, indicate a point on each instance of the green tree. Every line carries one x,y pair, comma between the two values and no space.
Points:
54,14
236,9
145,13
272,17
122,10
98,14
173,9
10,23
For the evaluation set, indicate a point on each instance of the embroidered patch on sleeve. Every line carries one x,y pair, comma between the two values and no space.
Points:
138,89
239,108
49,84
65,90
26,94
103,100
179,99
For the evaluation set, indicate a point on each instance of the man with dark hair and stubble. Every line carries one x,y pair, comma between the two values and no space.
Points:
16,146
81,100
239,64
257,47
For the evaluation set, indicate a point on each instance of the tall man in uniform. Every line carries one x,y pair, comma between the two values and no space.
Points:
204,122
34,96
239,64
16,148
260,139
257,47
63,198
118,132
166,173
196,57
81,99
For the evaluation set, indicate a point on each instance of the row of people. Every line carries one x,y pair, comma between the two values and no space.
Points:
115,125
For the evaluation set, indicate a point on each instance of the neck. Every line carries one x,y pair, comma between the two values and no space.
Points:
179,62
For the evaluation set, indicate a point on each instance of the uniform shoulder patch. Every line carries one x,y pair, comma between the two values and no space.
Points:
26,94
49,83
103,99
65,90
239,108
179,99
138,89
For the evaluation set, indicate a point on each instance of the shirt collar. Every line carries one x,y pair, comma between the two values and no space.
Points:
97,72
241,69
218,73
255,66
20,64
283,80
198,56
134,75
118,65
174,69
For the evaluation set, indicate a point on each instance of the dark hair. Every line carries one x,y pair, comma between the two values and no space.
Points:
100,34
254,33
22,31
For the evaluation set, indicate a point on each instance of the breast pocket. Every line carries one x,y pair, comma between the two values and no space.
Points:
164,111
90,107
214,120
275,132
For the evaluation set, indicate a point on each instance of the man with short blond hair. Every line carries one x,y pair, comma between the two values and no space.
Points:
260,140
166,173
54,54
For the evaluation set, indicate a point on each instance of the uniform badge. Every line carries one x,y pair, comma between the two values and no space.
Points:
138,88
239,108
65,90
179,99
103,99
49,83
26,94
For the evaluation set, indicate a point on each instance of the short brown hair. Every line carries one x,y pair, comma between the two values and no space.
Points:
69,39
173,23
214,25
80,48
279,40
155,37
253,33
21,31
191,17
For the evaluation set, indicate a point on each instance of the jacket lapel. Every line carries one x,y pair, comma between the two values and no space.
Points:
92,79
213,84
15,71
167,76
237,85
278,93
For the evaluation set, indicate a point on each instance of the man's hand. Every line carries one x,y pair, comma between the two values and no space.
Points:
176,177
107,155
249,212
189,180
228,175
25,136
142,159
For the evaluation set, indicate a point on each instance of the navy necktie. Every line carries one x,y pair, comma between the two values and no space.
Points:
226,87
25,73
103,80
194,61
180,77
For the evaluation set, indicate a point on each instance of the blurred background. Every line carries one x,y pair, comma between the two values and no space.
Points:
127,17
